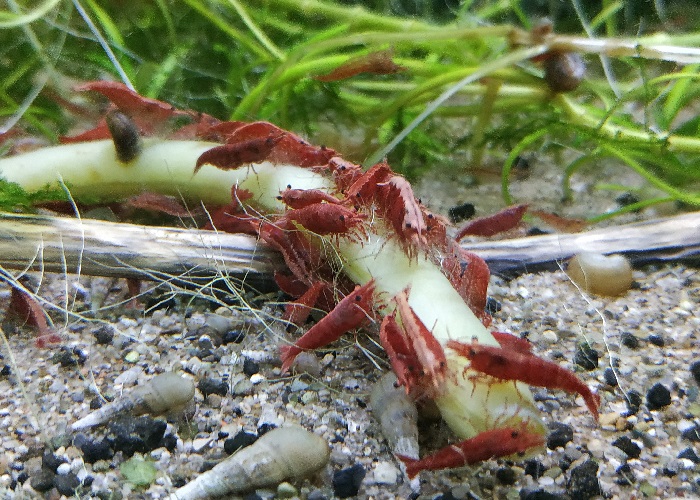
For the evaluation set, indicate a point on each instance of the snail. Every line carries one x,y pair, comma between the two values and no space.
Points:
125,135
280,455
164,393
564,71
600,274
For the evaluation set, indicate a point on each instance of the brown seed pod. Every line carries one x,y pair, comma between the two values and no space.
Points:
125,135
564,71
280,455
600,274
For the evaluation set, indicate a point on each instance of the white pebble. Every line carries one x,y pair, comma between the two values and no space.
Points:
385,473
63,469
256,378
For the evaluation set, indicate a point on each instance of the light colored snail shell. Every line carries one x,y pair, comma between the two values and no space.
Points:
600,274
280,455
397,416
167,392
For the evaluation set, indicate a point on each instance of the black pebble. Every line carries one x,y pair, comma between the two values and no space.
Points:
22,477
87,482
240,440
626,475
140,434
658,397
534,468
461,212
42,481
51,462
692,434
627,199
670,470
213,386
66,484
610,377
264,428
559,435
96,403
629,340
630,448
250,367
506,475
586,357
689,454
656,340
93,450
104,334
492,306
346,482
169,442
695,370
70,357
5,371
233,336
583,481
540,495
634,401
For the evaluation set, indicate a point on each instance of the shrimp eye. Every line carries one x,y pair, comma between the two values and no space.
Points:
358,298
514,434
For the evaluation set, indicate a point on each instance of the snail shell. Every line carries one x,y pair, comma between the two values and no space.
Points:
282,454
397,416
600,274
125,135
564,71
167,392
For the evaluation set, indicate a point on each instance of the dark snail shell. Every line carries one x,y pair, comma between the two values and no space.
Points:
564,71
125,135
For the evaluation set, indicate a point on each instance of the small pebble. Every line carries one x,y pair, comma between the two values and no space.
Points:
385,473
626,474
658,397
286,490
240,440
583,481
629,340
534,468
506,476
630,448
67,484
250,367
689,454
610,377
104,334
346,482
586,357
692,434
656,340
233,336
42,481
634,401
63,469
559,435
213,386
695,371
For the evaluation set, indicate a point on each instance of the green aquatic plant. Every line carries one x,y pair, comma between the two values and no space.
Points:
471,85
